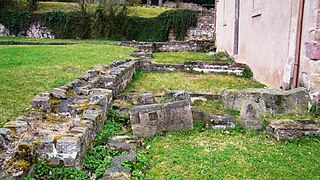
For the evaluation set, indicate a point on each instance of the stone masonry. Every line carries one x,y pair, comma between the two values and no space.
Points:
63,122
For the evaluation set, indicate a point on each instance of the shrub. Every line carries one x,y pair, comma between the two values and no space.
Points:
15,20
157,29
68,25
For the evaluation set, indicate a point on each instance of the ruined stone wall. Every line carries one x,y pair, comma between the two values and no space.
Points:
63,122
203,31
177,46
196,67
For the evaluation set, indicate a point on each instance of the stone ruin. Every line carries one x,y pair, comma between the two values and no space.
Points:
150,118
63,123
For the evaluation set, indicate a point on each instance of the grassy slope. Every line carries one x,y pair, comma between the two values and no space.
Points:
132,11
232,155
189,82
28,70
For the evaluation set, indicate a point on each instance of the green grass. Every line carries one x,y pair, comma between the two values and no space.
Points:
146,12
78,41
232,155
68,7
27,70
177,57
62,6
213,83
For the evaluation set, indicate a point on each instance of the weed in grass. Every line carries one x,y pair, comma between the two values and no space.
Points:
42,171
138,167
112,126
98,160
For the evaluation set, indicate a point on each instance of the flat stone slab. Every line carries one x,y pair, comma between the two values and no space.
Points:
290,129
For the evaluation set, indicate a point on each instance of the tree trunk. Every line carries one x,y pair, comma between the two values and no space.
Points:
160,2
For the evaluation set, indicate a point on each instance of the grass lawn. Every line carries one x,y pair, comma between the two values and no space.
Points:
177,57
214,83
68,7
232,154
27,70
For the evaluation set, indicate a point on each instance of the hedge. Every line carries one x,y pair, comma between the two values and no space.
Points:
119,26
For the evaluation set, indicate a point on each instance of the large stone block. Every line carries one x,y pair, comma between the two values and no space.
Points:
69,150
269,101
290,129
148,120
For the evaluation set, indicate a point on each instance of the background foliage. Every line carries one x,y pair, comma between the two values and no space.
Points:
157,29
107,21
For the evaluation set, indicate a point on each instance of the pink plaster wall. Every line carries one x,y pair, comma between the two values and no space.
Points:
266,36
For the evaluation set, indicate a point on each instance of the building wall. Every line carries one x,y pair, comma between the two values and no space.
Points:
267,36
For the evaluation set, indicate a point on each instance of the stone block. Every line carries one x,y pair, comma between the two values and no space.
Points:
42,102
219,121
123,143
146,98
93,115
313,51
269,101
84,90
46,148
18,127
249,116
290,129
100,97
5,138
148,120
68,150
59,93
